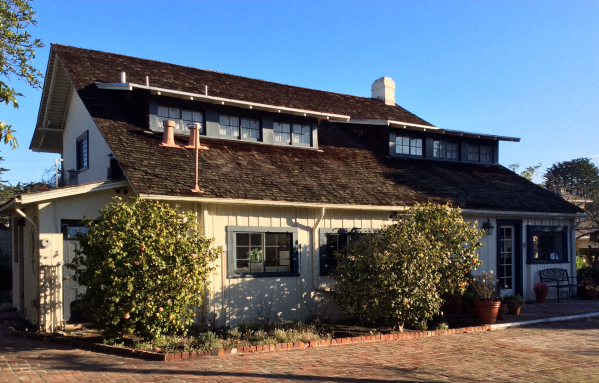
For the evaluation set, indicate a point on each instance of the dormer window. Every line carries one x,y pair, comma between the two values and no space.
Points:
282,131
480,153
232,126
301,134
182,117
408,145
445,149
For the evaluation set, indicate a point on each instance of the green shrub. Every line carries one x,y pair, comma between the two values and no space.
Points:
589,273
402,270
145,268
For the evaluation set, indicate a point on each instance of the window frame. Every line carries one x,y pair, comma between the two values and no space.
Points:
479,153
294,263
240,128
179,121
291,124
530,230
445,150
411,138
322,245
78,151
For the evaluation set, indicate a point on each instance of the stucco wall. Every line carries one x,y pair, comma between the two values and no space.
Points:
77,122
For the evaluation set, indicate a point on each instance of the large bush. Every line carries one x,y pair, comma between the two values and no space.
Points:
402,270
145,266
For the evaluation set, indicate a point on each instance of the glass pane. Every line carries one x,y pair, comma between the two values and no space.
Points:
234,121
283,240
270,239
162,111
297,129
245,123
306,130
331,240
242,252
224,119
243,266
243,239
174,113
342,241
270,256
256,239
254,124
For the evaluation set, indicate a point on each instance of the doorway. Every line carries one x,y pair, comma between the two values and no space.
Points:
509,257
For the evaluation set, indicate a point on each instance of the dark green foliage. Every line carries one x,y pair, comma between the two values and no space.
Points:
145,267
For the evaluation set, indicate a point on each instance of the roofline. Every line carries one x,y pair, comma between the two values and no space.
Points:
7,205
237,201
407,125
68,191
222,101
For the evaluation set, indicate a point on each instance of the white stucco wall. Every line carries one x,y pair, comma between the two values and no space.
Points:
77,122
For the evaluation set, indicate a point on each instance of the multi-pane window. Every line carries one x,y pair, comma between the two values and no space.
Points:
181,117
229,125
83,151
234,125
408,145
301,134
282,131
262,252
445,149
335,243
548,246
480,153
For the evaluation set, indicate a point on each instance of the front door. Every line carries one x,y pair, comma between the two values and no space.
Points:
507,247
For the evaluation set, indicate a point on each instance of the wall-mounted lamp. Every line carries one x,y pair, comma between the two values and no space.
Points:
488,227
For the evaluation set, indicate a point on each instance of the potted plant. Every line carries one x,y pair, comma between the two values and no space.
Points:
468,299
484,286
255,260
513,303
592,292
541,291
502,309
581,290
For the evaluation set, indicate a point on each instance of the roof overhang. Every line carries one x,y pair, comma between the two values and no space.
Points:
51,117
68,191
223,101
425,128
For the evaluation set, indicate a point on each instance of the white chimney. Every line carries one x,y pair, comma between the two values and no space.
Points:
123,77
384,90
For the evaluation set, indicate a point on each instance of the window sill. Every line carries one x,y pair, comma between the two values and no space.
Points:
263,275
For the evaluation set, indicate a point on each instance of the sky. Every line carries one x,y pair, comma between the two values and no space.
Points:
527,69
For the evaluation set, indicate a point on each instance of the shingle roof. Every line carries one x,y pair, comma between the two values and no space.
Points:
347,169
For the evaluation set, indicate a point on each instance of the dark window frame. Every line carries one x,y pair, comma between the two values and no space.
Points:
294,262
239,135
479,153
445,150
291,124
324,266
563,230
411,138
82,152
179,120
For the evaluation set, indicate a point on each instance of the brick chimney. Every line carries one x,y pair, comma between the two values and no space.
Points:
384,89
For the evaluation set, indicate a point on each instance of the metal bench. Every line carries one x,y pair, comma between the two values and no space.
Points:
559,278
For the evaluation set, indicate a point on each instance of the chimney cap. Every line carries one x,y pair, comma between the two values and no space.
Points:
383,89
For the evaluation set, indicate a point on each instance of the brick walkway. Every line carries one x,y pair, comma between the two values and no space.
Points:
560,352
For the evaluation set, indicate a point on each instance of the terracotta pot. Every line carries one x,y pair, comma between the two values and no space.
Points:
501,312
487,311
515,311
541,297
471,312
591,294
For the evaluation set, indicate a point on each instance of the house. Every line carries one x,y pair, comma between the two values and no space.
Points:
293,171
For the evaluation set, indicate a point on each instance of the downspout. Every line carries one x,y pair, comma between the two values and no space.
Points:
573,270
314,247
39,311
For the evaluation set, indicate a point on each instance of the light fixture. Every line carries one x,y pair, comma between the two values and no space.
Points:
488,227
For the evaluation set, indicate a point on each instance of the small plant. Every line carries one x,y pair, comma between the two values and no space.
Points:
540,287
513,301
442,326
484,286
207,340
421,325
255,255
592,288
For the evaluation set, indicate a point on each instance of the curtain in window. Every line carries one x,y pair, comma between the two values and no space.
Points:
191,117
250,128
282,132
169,113
301,134
229,125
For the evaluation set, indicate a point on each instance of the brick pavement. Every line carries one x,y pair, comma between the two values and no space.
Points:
560,352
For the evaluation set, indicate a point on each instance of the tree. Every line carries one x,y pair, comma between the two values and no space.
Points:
18,51
578,178
145,266
402,270
529,173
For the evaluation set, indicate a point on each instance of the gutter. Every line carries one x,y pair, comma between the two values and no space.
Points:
222,101
315,205
314,247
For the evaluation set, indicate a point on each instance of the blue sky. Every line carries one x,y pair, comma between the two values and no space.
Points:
528,69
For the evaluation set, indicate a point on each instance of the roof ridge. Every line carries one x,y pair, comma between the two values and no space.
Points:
219,72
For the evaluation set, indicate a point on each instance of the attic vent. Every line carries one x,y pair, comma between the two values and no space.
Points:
384,89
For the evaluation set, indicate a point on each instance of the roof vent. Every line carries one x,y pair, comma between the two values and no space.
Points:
123,77
168,137
384,89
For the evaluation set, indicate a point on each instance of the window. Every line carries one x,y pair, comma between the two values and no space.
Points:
232,125
229,125
301,134
548,244
445,149
261,251
83,152
282,132
70,227
480,153
334,241
182,117
408,145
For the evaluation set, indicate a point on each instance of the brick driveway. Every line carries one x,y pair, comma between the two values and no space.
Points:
556,353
